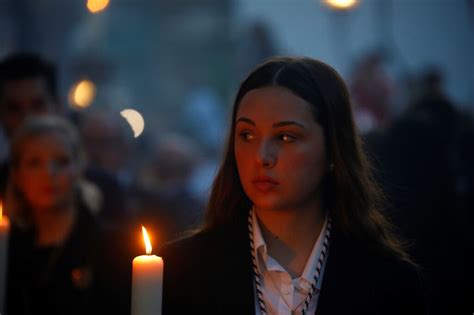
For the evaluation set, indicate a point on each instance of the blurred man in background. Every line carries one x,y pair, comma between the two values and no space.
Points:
28,86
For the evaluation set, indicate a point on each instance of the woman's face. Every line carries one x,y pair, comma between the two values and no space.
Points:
279,150
47,171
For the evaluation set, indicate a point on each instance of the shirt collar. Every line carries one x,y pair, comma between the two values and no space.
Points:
262,256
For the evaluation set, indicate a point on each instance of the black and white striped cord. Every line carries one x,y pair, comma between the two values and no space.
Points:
258,285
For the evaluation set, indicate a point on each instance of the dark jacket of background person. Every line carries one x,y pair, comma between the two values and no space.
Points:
358,279
75,278
424,162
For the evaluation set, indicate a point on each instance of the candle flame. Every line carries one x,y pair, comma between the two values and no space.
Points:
147,241
1,211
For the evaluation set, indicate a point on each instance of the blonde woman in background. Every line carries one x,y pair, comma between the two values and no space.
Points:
56,242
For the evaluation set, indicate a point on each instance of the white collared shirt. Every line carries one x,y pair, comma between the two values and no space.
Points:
276,279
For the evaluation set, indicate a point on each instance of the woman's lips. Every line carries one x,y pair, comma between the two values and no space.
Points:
264,183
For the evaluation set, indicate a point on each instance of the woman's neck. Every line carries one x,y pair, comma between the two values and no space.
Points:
54,226
290,235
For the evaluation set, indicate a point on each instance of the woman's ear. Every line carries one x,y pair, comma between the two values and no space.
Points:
331,167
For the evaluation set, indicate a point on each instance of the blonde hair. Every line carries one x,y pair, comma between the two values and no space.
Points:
33,127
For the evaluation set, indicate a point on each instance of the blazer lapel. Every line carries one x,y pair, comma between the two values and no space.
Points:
341,280
237,270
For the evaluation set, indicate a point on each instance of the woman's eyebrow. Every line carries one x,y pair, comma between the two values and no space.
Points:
287,123
246,120
275,125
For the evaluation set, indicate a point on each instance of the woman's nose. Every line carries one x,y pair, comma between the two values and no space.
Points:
266,155
51,168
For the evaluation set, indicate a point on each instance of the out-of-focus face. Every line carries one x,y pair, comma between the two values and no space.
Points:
104,143
47,171
21,98
279,150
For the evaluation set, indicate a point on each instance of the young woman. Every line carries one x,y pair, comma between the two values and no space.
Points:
56,247
293,223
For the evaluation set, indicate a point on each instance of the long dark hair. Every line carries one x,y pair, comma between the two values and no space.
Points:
350,193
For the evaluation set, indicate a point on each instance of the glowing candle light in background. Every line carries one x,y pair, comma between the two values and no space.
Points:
147,281
135,120
341,4
4,232
82,94
95,6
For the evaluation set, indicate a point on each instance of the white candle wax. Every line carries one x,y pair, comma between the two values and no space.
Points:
147,285
4,233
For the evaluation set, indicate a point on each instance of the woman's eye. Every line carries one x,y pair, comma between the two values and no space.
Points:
287,137
246,136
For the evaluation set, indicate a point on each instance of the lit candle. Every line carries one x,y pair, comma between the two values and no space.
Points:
147,282
4,232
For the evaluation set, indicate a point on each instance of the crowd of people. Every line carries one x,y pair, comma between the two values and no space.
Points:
304,215
64,185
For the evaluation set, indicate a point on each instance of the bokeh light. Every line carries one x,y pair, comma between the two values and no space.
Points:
82,94
341,4
135,120
95,6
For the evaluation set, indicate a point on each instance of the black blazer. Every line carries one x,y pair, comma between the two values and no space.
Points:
97,253
211,273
